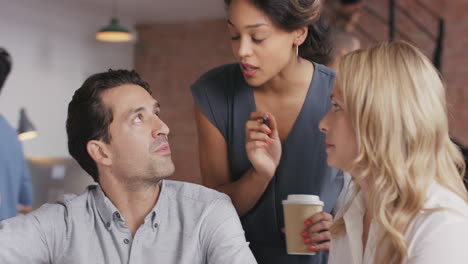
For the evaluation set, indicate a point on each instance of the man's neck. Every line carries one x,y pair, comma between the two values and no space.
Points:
134,204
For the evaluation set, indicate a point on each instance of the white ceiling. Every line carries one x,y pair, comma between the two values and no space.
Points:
160,11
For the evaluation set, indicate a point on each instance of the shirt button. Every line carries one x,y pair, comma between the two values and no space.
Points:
126,241
155,225
108,224
117,215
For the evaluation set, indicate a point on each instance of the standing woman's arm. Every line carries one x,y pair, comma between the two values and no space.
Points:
214,164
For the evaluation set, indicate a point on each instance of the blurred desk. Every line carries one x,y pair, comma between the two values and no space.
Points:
52,177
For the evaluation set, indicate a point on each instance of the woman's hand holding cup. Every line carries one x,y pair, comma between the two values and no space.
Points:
317,231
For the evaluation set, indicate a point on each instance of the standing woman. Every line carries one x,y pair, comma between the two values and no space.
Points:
277,44
389,128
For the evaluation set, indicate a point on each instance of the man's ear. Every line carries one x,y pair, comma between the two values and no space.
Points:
300,35
99,152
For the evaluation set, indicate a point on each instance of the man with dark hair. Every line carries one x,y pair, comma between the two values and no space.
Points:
15,183
133,214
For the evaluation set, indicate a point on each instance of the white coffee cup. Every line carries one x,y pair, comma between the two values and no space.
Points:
297,209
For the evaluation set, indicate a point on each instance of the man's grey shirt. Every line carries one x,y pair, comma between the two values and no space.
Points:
189,224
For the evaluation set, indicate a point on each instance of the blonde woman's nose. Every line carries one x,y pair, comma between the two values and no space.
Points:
323,125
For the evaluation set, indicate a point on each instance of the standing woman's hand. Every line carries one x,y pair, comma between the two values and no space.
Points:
263,145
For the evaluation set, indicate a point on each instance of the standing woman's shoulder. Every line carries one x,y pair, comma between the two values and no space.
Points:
325,70
215,77
325,77
213,92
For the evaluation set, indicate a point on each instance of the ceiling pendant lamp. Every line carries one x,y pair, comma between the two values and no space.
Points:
26,129
114,32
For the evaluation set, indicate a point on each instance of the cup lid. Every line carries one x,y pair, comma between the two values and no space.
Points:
303,199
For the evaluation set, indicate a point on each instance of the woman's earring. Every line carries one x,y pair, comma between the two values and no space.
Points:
297,50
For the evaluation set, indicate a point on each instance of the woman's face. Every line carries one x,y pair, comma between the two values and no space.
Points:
340,137
261,48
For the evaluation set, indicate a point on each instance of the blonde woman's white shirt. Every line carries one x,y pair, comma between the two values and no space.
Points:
345,193
438,237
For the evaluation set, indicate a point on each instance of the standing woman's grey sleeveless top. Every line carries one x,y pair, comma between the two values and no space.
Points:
227,101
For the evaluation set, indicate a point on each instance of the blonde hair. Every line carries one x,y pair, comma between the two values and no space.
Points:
396,102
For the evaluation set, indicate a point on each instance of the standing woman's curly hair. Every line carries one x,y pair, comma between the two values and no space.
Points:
294,14
396,102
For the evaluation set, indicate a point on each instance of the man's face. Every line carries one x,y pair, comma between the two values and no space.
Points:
138,149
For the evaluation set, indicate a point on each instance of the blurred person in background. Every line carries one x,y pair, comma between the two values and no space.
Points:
346,13
16,194
343,43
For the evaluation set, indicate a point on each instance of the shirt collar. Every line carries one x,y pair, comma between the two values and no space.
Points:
159,212
108,212
354,228
105,207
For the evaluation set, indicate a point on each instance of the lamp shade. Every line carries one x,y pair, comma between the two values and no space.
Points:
114,32
26,129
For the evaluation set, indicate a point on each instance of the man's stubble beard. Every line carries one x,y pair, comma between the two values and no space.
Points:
155,172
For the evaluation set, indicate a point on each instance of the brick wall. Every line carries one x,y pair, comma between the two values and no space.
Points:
455,55
171,57
455,66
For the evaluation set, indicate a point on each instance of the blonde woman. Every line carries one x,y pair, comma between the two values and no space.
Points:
388,127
